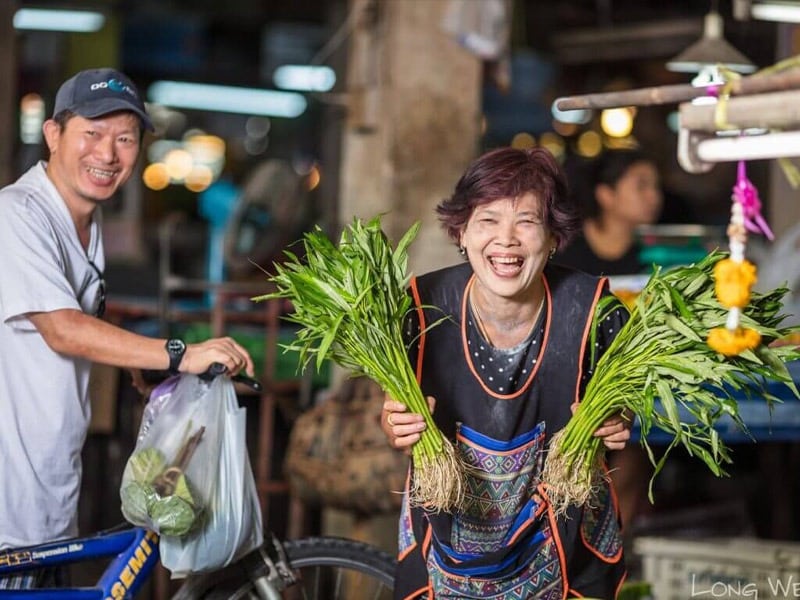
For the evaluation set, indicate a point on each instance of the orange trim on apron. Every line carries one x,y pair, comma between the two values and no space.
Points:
422,327
540,508
562,560
470,364
586,332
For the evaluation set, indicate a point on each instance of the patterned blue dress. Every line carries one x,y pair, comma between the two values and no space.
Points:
501,406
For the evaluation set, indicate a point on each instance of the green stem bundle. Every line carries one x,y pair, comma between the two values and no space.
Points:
660,362
350,302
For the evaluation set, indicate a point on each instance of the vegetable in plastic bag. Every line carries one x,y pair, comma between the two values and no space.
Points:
166,485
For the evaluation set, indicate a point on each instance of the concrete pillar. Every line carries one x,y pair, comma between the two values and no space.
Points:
413,124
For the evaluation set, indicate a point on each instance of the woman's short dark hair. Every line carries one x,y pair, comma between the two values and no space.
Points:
510,173
613,164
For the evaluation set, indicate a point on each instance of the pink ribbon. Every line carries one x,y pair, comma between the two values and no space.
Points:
746,194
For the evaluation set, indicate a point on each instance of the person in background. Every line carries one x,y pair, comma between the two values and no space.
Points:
505,371
624,193
52,298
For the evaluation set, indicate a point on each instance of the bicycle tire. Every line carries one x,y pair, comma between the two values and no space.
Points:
342,553
329,568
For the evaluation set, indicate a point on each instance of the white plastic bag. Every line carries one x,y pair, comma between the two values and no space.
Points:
167,485
233,525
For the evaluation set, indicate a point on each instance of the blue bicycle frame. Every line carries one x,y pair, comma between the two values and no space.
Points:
136,551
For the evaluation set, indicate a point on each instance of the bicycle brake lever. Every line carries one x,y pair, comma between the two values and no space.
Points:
217,369
253,384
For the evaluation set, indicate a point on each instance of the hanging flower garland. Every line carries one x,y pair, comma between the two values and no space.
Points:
735,276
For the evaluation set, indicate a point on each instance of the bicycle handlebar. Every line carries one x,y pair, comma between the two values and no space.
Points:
217,369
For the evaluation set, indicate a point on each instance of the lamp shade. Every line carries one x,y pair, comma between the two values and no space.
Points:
710,50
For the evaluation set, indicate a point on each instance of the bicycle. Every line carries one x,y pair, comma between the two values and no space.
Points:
313,567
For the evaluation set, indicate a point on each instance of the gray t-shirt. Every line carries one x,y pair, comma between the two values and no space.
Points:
44,405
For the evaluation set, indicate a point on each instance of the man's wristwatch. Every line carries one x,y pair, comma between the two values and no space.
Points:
175,349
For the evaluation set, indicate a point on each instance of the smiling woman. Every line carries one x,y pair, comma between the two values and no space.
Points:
505,364
507,244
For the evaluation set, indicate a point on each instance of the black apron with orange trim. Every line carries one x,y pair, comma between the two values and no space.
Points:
505,542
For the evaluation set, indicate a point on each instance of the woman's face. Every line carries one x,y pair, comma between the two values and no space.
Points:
636,197
508,244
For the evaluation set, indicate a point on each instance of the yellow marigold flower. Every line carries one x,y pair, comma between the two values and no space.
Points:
732,282
731,343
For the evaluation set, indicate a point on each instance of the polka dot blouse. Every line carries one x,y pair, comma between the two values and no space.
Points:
505,370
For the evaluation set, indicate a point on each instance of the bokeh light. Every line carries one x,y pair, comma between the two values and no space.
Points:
589,144
155,176
199,178
617,122
314,177
31,118
553,142
179,164
523,140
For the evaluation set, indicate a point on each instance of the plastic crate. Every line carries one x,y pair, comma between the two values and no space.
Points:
726,568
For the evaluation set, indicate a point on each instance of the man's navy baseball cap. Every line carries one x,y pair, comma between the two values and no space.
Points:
97,92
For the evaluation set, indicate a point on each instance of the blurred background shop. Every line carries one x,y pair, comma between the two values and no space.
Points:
272,117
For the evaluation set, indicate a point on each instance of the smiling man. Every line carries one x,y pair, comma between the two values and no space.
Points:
52,295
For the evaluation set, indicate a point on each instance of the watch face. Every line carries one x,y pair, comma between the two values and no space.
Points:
176,346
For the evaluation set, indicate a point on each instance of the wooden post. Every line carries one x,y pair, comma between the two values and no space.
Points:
776,110
413,121
671,94
8,91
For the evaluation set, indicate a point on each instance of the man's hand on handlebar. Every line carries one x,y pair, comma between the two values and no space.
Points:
225,351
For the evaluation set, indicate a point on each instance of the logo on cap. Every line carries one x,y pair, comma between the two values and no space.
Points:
115,85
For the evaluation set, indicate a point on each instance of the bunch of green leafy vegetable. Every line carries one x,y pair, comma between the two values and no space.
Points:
350,301
660,362
175,514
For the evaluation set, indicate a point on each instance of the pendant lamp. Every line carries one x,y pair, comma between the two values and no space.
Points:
709,52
